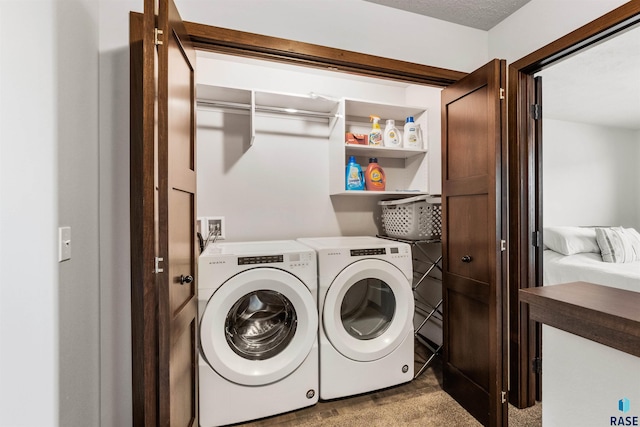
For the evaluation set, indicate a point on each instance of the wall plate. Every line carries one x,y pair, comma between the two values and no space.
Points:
64,243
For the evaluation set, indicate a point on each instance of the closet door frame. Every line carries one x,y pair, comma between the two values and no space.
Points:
525,168
238,43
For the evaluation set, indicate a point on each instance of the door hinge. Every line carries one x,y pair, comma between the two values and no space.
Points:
536,365
501,93
156,262
536,111
535,239
156,36
503,397
503,245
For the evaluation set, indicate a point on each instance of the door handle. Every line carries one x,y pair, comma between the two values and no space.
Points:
185,279
467,258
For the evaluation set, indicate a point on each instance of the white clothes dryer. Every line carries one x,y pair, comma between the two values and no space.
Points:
366,309
258,352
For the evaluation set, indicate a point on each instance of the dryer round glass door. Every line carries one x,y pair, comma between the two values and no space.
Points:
259,326
368,310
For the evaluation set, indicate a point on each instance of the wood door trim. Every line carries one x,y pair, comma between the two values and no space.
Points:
522,176
223,40
617,20
144,335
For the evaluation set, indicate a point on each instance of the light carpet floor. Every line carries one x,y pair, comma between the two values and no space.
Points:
421,402
435,409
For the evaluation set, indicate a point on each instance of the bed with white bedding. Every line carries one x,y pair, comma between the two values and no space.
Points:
578,254
589,267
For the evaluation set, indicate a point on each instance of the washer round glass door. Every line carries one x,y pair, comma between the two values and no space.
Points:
368,310
259,326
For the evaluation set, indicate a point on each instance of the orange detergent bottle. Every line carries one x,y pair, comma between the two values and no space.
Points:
374,176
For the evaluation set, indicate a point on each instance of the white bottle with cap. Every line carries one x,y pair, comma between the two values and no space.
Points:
391,135
412,137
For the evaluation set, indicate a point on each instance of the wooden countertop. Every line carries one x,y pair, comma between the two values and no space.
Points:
606,315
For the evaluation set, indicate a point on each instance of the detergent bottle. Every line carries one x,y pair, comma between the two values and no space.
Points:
375,136
354,179
391,135
374,176
412,138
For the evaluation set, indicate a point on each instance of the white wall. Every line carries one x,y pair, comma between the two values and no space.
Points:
115,272
354,25
48,177
29,340
582,381
590,175
279,187
76,46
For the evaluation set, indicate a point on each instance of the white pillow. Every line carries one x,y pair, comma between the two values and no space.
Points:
570,240
618,244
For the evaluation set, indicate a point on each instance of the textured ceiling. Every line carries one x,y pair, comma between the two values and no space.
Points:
600,85
480,14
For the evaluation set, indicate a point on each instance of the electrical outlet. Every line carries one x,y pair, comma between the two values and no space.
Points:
215,224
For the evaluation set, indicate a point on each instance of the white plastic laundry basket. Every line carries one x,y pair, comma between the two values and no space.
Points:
414,218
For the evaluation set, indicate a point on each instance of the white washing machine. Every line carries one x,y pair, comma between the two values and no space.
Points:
258,313
366,308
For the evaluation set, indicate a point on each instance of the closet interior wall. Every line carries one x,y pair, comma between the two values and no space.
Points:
275,184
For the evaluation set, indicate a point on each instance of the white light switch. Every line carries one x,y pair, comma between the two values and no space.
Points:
64,243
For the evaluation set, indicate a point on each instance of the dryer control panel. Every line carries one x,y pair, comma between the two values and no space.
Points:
369,252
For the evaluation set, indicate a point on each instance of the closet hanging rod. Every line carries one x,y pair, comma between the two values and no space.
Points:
223,104
265,109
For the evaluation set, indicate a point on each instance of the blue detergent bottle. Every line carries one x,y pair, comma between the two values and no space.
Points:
354,179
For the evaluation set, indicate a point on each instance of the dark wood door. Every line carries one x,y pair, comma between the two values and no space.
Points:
473,147
163,192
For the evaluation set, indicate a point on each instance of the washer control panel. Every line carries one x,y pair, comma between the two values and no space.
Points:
292,259
262,259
